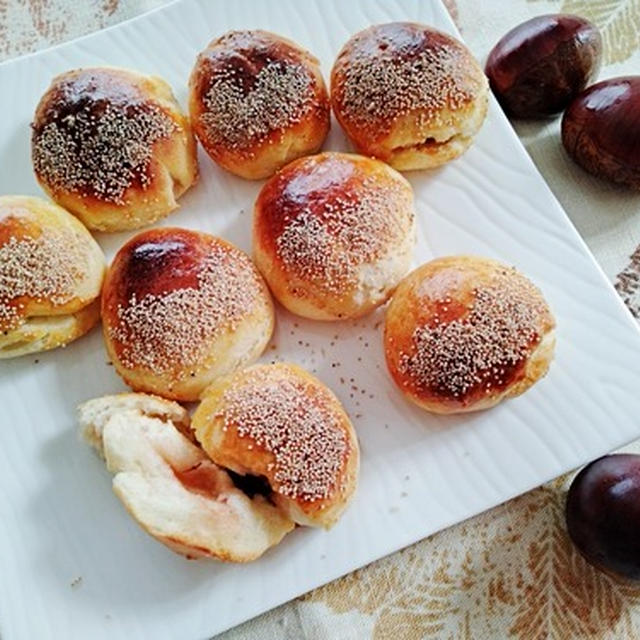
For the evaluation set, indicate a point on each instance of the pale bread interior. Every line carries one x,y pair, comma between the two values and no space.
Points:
170,486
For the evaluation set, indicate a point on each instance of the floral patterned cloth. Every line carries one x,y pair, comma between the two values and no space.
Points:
510,572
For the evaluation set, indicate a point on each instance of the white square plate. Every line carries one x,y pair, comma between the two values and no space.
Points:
74,565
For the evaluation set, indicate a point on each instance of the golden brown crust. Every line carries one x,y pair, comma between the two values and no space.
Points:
51,273
42,333
333,234
462,333
113,147
408,94
181,307
257,101
281,423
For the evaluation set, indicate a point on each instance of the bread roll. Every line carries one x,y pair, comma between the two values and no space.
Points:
113,147
333,234
257,101
169,485
181,308
280,423
51,273
462,333
408,94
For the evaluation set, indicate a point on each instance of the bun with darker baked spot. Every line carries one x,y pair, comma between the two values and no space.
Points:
257,101
333,234
408,94
463,333
180,308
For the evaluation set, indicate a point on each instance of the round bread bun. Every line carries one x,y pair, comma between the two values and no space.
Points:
180,308
169,485
462,333
333,234
408,94
51,273
280,423
257,101
113,147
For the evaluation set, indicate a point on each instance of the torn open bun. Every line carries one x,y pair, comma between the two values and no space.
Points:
171,487
281,423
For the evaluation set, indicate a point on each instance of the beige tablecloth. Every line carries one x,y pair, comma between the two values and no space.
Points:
510,572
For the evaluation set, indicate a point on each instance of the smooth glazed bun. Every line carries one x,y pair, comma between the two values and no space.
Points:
280,423
113,147
463,333
333,234
51,273
408,94
169,485
257,101
181,308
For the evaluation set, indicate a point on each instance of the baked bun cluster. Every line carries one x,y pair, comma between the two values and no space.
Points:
408,94
463,333
257,101
282,424
333,234
170,486
112,147
269,447
51,273
181,308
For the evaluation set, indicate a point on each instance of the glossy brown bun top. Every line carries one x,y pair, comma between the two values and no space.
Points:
106,139
334,227
158,262
281,423
462,332
49,263
51,273
248,90
175,303
401,85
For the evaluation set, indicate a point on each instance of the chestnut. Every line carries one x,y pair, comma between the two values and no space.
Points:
603,514
601,130
537,68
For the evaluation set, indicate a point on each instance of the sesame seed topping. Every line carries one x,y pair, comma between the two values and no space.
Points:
173,332
386,78
46,268
292,419
327,244
280,95
481,349
102,149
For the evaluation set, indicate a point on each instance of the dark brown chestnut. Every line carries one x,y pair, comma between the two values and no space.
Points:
603,514
601,130
537,68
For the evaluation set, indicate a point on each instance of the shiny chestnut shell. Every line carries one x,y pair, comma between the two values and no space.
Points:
601,130
603,514
537,68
